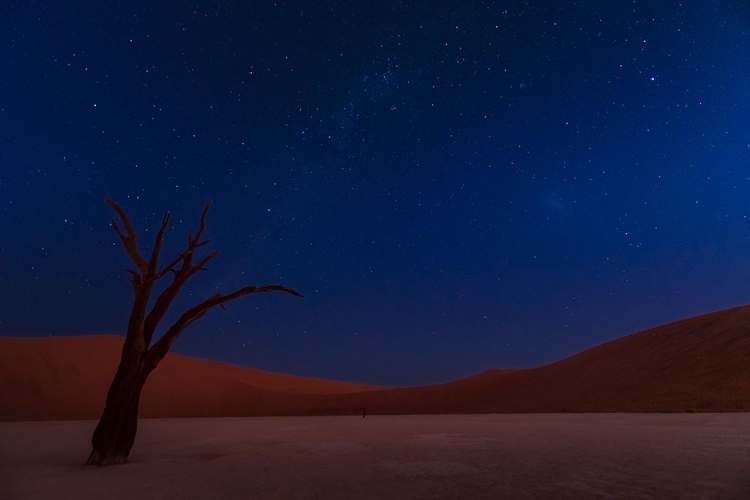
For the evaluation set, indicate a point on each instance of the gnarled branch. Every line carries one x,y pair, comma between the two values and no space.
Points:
145,322
186,257
161,306
128,237
157,352
154,262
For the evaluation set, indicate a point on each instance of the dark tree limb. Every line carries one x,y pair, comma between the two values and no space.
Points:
157,352
157,246
128,238
161,306
193,244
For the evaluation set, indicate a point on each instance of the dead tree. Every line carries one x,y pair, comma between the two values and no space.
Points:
115,434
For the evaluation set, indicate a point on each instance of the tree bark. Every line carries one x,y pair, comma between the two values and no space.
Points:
115,434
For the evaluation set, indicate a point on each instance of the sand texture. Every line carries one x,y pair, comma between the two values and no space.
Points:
623,456
696,365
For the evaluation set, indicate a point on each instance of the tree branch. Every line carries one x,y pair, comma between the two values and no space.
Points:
128,237
186,257
181,275
164,301
135,277
143,323
205,260
157,246
203,222
157,352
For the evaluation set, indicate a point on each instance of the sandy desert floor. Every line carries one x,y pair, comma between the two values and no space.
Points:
391,457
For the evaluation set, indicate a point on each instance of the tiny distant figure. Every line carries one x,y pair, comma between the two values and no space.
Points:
364,412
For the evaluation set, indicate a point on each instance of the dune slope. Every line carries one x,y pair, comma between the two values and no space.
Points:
697,364
55,378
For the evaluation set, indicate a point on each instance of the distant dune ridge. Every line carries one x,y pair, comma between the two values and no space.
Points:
697,364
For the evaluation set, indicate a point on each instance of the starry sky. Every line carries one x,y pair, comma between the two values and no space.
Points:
454,185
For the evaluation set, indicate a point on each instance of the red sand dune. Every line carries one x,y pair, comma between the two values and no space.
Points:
698,364
67,378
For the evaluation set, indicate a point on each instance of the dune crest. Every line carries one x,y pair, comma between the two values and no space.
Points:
697,364
67,378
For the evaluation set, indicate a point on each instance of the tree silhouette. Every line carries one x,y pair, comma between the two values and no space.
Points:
115,434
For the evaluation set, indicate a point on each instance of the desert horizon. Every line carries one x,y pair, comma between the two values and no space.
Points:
692,365
661,413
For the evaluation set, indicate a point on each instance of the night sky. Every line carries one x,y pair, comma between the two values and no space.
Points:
454,185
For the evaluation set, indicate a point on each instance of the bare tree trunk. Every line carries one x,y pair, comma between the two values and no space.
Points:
115,434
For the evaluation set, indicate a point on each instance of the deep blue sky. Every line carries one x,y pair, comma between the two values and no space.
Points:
454,185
